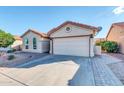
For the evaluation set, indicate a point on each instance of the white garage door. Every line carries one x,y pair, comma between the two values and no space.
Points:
78,46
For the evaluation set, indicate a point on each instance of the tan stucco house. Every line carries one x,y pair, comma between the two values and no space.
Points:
71,38
99,39
34,41
17,43
116,33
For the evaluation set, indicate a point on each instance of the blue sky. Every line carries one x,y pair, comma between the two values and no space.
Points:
16,20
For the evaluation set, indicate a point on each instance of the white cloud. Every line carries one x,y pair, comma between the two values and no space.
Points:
118,10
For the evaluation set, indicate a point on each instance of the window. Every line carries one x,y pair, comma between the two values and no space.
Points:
68,29
26,42
26,46
34,43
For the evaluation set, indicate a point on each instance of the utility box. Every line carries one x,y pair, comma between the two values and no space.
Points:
97,50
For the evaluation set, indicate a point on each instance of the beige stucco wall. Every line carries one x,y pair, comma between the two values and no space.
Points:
96,40
40,48
92,47
117,35
50,47
75,31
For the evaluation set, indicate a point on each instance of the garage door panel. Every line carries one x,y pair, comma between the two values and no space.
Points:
71,46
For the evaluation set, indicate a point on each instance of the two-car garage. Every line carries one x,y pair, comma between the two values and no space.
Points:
72,38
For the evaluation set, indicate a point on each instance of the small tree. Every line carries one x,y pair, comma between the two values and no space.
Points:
6,39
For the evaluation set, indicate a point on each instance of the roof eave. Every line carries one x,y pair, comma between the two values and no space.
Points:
30,30
65,23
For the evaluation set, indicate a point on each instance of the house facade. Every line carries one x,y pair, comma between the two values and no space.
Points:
34,41
71,38
116,33
99,40
17,43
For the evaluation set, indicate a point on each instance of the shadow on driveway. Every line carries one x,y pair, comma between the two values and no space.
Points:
83,76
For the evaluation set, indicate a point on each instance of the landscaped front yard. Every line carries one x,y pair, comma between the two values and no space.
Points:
10,58
6,59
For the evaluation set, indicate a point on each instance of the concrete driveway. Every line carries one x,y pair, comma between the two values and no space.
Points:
49,70
61,70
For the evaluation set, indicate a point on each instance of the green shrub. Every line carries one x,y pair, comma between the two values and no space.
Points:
11,57
101,44
109,46
14,50
98,44
11,51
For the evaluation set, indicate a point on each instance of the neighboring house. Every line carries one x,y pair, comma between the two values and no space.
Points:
17,43
97,40
116,33
34,41
71,38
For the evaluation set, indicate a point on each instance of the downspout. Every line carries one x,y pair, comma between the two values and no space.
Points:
91,36
52,45
89,46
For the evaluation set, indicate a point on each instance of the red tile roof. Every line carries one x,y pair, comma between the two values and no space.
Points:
72,23
16,37
121,24
36,32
